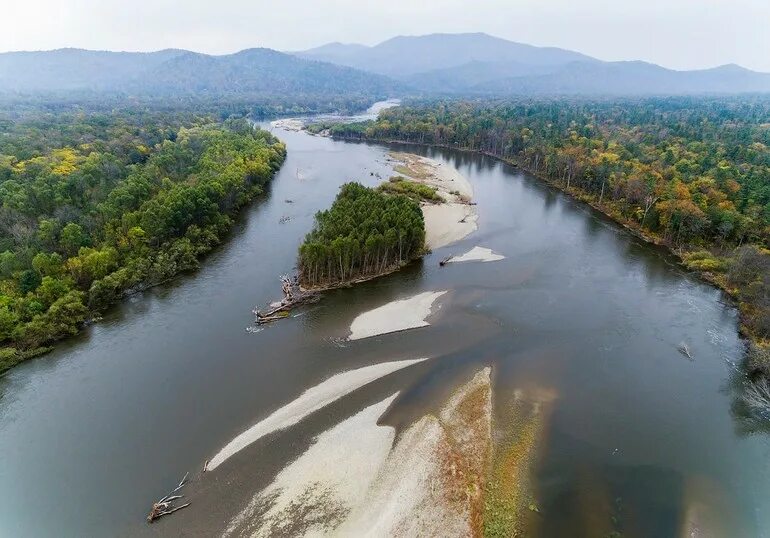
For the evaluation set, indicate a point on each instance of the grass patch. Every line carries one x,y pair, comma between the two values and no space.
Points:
507,492
415,191
403,170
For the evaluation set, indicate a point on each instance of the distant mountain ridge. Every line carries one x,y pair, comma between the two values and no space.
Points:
251,71
70,69
629,78
408,55
470,64
479,64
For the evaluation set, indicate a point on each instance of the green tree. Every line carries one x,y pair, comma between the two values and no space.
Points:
72,238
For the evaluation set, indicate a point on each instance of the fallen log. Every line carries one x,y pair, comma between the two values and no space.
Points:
262,319
685,350
445,261
165,505
293,296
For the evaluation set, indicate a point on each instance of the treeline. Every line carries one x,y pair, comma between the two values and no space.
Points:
94,206
25,107
691,172
365,232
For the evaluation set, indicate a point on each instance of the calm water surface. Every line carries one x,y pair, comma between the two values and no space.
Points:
91,434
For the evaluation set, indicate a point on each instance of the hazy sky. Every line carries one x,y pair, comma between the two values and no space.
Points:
681,34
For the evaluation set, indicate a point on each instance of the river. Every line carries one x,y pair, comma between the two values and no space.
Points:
93,432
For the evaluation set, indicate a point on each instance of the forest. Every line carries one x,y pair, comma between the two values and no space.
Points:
365,232
689,172
97,205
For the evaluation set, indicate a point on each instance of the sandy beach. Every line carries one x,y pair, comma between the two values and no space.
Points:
308,402
395,316
288,124
477,254
432,481
454,219
355,481
313,494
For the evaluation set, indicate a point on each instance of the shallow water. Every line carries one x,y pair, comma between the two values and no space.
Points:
92,433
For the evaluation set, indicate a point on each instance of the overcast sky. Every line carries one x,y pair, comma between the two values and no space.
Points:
681,34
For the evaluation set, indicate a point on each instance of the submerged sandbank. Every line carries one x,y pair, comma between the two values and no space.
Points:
308,402
477,254
707,510
395,316
509,496
452,220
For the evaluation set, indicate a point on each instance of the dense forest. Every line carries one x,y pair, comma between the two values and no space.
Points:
94,206
365,232
693,173
27,106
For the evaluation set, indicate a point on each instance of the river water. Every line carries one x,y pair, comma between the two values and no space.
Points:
92,433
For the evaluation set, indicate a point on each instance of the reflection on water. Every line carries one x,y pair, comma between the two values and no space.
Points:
93,432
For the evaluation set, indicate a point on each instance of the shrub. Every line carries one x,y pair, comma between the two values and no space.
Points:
415,191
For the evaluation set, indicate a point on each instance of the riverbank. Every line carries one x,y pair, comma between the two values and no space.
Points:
153,251
718,280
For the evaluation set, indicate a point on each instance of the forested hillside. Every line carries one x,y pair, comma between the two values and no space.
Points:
365,233
257,73
94,206
693,173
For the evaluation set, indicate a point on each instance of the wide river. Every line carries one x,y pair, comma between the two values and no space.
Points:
93,433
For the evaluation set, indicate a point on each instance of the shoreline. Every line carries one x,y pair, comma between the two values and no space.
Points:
445,223
95,313
453,219
629,226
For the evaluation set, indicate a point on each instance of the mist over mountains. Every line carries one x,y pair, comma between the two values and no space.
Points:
482,64
406,56
437,64
256,71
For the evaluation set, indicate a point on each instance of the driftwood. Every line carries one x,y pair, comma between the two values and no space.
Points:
445,261
293,296
165,505
685,350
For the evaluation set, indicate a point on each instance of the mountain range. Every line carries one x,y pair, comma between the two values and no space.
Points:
482,64
436,64
255,72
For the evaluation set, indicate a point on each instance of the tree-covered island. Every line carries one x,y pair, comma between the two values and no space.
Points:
366,232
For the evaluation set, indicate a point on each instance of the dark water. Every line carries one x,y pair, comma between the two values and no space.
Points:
91,434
